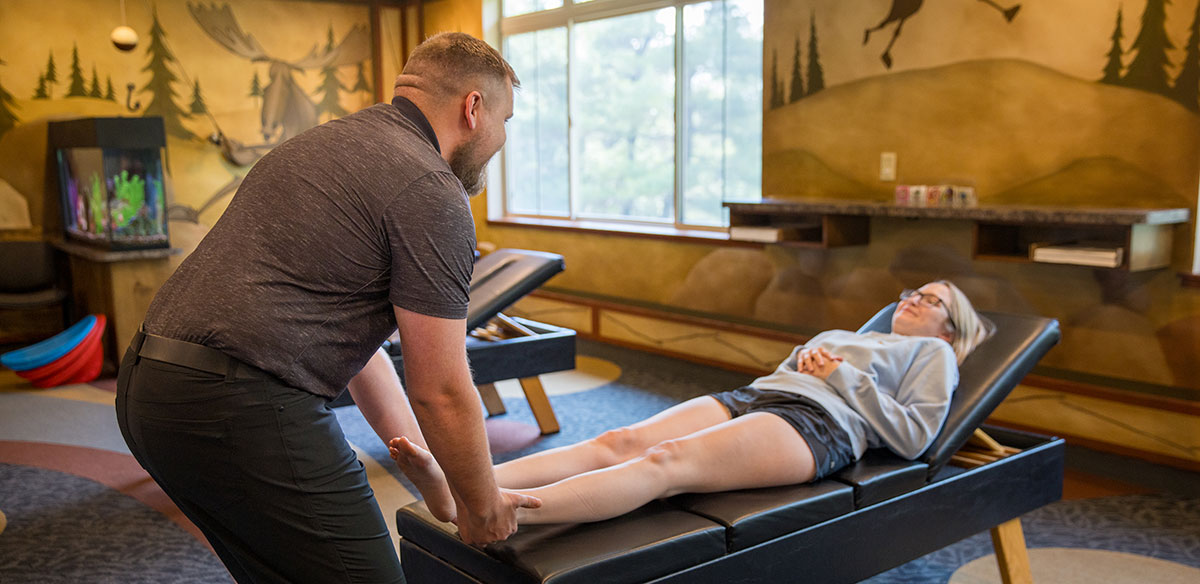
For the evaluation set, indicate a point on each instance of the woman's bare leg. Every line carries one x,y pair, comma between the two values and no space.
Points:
549,466
755,450
612,447
420,468
384,404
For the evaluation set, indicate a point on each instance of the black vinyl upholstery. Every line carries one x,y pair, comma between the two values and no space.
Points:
875,514
498,280
650,542
987,375
752,516
504,277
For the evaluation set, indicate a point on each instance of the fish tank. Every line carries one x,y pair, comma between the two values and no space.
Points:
110,181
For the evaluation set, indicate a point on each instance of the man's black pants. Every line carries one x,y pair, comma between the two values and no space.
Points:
261,468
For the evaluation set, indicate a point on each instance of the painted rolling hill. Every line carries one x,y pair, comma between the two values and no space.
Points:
1020,132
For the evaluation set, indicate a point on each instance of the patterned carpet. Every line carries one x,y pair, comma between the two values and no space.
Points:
75,507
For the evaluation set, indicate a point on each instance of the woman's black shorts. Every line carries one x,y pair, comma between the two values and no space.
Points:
830,444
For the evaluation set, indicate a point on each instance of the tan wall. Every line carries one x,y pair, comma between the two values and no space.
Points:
1013,108
199,177
1141,328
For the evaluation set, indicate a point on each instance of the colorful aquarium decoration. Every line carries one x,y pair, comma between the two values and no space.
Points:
110,179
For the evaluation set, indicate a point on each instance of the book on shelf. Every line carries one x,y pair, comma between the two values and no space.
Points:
1080,253
776,233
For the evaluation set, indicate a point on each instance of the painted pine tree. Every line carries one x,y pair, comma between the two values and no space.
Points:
8,117
797,92
77,89
41,92
198,106
95,92
161,84
361,83
109,94
816,73
330,87
51,75
1148,70
1112,68
1187,83
256,86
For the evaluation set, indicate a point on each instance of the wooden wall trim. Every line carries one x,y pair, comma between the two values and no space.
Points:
596,305
675,355
1157,402
1148,456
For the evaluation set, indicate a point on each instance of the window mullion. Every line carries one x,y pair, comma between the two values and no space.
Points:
572,168
724,104
680,119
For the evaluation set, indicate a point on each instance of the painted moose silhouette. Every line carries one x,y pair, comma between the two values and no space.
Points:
902,10
286,108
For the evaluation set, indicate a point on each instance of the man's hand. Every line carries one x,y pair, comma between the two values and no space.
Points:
818,362
496,523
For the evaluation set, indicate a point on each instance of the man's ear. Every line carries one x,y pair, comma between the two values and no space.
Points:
471,107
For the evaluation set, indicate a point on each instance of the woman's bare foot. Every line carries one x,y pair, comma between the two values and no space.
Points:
420,467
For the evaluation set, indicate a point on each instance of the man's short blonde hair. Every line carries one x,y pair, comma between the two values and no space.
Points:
451,64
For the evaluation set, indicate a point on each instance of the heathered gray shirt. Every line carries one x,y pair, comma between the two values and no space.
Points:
326,233
892,390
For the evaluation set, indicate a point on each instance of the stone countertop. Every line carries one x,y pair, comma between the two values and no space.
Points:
985,213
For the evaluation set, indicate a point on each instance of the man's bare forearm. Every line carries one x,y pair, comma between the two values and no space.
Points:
452,421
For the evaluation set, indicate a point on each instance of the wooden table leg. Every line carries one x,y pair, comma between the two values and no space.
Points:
540,404
1009,542
491,399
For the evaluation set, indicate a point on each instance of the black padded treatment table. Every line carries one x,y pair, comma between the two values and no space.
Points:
878,513
523,349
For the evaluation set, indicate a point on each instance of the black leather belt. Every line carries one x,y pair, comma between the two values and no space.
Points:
193,356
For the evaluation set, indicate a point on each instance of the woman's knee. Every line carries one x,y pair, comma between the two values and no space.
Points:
666,456
618,445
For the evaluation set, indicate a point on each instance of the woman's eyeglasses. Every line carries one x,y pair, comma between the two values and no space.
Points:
930,300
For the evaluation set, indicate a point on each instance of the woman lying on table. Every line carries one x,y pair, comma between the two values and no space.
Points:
829,401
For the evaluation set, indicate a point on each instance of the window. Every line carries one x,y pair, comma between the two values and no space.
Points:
595,133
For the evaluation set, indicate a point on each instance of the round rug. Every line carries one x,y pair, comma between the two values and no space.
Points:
1070,565
63,528
1158,527
589,373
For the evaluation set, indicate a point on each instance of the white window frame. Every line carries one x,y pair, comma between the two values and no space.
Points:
496,27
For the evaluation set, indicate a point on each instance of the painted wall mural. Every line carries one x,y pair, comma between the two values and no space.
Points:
1031,104
231,79
1079,103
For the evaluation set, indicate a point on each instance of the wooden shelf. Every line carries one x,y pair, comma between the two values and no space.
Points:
801,228
1001,233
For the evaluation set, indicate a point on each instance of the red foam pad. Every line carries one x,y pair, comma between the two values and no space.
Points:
81,364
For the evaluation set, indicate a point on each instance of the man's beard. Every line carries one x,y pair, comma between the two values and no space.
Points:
470,168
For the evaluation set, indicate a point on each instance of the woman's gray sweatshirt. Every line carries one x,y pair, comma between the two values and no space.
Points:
892,390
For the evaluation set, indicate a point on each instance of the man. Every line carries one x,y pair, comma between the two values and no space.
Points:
335,238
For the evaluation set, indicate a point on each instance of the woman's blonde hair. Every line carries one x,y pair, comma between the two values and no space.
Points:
969,327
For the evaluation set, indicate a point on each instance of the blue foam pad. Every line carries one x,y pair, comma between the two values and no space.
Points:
45,352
